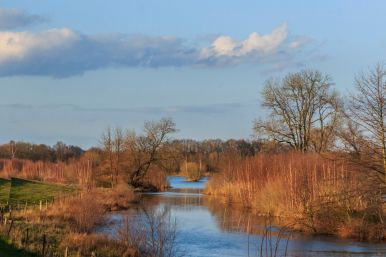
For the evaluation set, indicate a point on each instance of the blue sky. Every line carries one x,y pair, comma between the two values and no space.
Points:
69,69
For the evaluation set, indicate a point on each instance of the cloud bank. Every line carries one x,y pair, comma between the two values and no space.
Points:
64,52
13,18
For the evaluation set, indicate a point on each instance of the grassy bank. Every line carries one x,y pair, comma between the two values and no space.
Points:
315,194
23,197
64,224
5,187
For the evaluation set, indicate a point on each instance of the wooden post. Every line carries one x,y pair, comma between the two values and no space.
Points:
27,239
10,227
40,205
44,245
66,252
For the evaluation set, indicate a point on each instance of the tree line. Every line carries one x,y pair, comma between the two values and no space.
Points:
40,152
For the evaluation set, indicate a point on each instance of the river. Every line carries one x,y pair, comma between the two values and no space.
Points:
206,228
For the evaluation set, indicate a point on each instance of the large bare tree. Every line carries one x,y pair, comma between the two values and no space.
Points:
304,111
365,133
146,149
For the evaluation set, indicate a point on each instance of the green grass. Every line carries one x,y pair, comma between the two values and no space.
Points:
7,250
5,186
32,192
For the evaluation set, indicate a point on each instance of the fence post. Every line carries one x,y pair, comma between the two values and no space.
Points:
44,245
66,252
10,227
27,237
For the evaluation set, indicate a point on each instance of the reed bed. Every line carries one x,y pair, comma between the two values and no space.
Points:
322,195
74,172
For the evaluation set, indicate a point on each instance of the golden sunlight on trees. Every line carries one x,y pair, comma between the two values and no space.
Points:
128,156
304,111
146,149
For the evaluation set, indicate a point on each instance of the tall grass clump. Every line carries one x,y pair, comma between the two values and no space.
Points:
191,170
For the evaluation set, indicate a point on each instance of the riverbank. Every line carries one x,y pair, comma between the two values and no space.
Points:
316,195
66,225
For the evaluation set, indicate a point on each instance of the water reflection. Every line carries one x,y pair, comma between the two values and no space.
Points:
207,227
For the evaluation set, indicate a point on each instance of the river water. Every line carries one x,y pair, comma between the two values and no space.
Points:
206,228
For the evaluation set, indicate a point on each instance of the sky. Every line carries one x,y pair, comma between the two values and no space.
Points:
69,69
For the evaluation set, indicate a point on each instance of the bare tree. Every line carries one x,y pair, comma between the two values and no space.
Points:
108,147
365,134
118,145
304,111
145,149
12,149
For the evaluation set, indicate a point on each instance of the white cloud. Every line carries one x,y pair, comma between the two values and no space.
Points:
64,52
13,18
225,46
24,45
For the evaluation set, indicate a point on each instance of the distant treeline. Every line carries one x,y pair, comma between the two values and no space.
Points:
68,163
209,153
185,150
40,152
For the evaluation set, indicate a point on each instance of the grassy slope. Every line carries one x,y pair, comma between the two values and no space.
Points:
33,191
5,186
